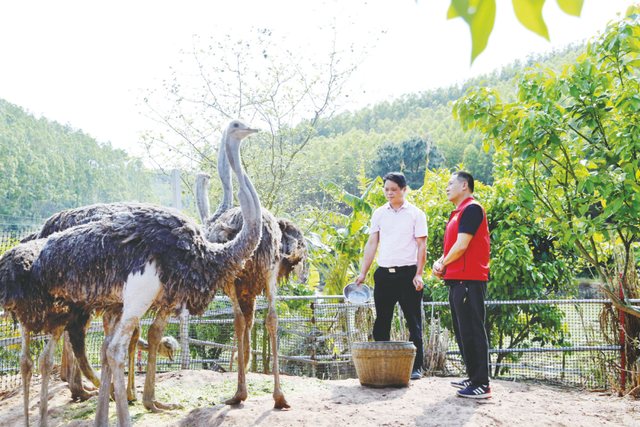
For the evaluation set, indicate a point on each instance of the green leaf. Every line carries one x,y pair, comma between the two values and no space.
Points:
571,7
632,10
480,15
452,12
529,13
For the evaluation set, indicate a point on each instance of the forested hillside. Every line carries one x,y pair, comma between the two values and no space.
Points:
46,167
425,115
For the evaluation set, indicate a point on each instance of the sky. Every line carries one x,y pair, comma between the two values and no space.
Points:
88,63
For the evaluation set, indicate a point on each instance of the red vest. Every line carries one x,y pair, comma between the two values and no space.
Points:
474,262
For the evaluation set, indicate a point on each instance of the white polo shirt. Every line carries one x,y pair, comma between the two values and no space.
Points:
397,245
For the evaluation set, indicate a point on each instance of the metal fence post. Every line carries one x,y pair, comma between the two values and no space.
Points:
184,339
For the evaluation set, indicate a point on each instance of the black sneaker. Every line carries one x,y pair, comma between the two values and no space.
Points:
476,392
416,374
461,384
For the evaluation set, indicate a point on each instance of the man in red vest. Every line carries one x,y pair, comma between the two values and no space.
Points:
465,269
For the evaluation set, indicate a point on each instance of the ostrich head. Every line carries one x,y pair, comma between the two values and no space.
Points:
238,129
168,347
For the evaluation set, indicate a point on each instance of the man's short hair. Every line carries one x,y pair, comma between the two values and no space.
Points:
465,176
396,177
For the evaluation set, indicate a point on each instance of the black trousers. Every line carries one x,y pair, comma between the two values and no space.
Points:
398,287
466,298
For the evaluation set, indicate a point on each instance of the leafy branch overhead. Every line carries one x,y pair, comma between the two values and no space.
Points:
481,16
573,140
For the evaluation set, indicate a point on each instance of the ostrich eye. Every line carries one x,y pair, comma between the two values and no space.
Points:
235,125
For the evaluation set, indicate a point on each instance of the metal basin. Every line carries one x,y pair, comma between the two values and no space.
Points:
357,294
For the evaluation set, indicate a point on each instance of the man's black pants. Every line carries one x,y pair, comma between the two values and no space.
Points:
398,287
466,298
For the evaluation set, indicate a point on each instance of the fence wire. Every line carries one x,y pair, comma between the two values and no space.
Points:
557,341
315,335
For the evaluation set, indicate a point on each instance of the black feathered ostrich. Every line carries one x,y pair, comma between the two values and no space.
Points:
127,263
282,250
72,371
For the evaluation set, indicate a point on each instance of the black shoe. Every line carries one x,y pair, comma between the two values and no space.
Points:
461,384
416,374
476,392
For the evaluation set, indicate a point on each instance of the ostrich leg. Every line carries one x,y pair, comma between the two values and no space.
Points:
240,327
26,369
156,332
248,318
46,366
272,327
140,291
131,373
102,410
76,334
66,364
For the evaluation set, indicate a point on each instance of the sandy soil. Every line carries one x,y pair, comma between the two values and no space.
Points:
427,402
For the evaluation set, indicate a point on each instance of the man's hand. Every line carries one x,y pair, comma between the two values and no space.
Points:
438,268
417,282
360,279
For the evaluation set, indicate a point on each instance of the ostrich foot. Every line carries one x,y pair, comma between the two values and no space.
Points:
159,407
281,403
238,398
83,394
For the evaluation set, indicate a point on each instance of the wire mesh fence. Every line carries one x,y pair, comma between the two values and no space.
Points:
315,335
560,341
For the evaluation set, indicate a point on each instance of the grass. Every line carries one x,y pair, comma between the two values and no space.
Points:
194,396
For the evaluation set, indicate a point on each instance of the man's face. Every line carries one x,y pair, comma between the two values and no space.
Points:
455,187
393,192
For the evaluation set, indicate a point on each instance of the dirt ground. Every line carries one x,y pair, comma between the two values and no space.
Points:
426,402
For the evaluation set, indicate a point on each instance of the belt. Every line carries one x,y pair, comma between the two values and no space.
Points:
398,269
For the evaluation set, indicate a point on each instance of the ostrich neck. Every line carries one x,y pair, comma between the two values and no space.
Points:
202,199
243,245
224,172
202,196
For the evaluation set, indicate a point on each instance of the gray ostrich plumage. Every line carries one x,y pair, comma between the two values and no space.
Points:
88,264
126,262
44,316
37,311
282,251
71,217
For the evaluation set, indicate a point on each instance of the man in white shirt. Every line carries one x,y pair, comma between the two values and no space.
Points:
399,231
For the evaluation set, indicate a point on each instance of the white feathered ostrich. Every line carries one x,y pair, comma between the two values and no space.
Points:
73,367
281,251
127,263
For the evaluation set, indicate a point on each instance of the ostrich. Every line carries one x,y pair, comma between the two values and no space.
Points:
71,371
38,311
281,251
126,263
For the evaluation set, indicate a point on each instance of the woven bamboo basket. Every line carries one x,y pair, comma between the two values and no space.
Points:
384,363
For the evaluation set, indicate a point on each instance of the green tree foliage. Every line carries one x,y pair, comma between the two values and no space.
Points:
480,15
46,167
337,240
415,115
409,157
525,264
574,138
